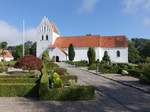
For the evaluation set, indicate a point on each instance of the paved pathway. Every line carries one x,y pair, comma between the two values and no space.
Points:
131,99
123,79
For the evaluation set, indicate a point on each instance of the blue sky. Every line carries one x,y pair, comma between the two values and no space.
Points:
76,17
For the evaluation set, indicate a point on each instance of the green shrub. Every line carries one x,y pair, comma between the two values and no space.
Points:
91,55
56,80
44,84
72,93
9,63
81,63
145,76
18,76
2,67
70,62
50,65
71,52
19,80
45,56
18,89
103,68
92,67
134,72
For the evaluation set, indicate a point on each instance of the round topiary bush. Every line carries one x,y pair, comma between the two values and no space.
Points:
29,63
56,80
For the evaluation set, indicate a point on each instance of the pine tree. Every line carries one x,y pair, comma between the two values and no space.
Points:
91,55
71,52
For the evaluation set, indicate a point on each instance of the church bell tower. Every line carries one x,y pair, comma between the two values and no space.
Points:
47,33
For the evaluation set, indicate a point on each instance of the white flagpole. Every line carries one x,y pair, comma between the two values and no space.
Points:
23,34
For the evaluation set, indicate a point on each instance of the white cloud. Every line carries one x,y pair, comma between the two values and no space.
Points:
88,6
12,35
134,6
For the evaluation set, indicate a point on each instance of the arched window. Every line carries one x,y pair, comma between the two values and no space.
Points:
118,53
42,37
46,37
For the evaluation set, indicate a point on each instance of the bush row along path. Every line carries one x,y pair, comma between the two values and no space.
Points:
117,97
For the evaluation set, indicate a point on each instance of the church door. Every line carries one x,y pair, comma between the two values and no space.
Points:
57,58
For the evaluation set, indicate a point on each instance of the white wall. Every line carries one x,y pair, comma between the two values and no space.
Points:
54,37
112,52
81,54
41,47
57,52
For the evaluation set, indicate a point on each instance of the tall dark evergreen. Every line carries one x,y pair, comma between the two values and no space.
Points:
91,55
106,58
71,52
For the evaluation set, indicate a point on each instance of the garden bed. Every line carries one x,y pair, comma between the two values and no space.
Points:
18,90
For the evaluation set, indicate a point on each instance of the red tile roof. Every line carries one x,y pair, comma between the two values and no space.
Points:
91,41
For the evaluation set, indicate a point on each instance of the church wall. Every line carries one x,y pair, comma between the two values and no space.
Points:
57,52
81,54
41,47
112,52
54,35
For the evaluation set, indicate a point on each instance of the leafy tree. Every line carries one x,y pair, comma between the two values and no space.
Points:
133,53
91,55
71,52
18,51
106,58
28,46
3,45
33,49
147,60
146,49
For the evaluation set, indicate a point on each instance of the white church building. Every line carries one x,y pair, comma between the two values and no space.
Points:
50,39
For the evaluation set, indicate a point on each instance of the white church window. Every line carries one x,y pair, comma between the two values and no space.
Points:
46,37
42,37
44,28
118,53
48,30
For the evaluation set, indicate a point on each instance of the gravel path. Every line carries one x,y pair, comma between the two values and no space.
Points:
131,99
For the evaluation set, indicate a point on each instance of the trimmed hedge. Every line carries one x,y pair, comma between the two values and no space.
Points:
44,84
19,80
66,78
103,68
92,67
18,76
134,72
18,89
71,93
82,63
